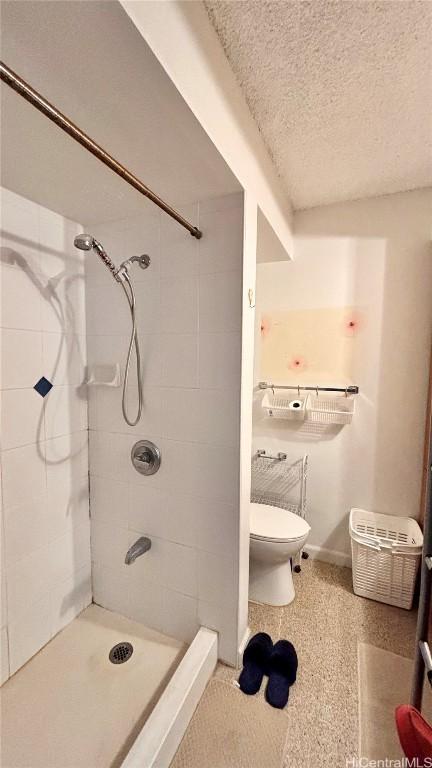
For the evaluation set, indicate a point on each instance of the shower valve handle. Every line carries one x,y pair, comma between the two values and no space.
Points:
146,457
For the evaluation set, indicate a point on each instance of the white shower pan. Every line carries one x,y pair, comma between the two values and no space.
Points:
71,706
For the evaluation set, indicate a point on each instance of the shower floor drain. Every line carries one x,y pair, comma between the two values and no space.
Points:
120,653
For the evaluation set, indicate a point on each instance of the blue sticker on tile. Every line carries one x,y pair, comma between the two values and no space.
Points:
43,386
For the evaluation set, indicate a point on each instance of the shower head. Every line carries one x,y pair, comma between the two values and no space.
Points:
88,243
84,242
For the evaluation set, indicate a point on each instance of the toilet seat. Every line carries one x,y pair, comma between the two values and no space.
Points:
269,523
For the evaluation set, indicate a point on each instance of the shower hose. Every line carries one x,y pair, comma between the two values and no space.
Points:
130,295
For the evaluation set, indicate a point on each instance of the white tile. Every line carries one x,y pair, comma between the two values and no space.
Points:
110,587
145,602
179,616
207,416
65,411
179,360
151,359
70,597
110,456
56,238
22,420
217,579
217,527
20,299
107,349
24,476
107,310
109,501
30,633
109,544
220,302
221,249
178,568
113,349
147,296
21,358
4,656
179,251
67,481
200,470
66,459
109,413
29,579
179,305
63,307
220,360
217,473
181,516
179,467
67,502
70,552
7,197
27,529
64,358
20,233
148,510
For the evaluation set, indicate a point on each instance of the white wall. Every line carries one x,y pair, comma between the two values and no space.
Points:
45,526
189,321
374,254
208,85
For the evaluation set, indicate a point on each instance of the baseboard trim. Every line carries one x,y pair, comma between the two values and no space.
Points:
329,555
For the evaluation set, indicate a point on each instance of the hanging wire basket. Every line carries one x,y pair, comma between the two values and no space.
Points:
330,410
283,406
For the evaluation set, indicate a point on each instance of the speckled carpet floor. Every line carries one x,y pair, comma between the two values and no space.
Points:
319,728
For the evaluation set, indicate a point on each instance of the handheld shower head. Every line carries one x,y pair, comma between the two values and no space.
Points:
121,275
84,242
88,243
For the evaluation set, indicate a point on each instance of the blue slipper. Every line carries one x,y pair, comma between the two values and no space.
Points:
255,663
282,673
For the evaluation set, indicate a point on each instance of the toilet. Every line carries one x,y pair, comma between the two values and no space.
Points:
276,536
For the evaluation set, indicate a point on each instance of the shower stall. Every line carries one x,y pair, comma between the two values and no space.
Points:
120,412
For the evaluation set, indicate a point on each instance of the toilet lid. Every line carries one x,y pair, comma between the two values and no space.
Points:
268,522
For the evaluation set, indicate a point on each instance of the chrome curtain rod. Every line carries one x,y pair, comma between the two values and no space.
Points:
351,390
27,92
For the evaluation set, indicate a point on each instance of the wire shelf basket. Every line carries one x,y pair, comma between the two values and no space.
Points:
330,410
275,481
284,406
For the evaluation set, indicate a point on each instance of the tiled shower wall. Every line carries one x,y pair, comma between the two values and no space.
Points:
189,322
45,521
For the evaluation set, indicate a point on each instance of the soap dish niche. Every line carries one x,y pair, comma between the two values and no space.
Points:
107,375
282,406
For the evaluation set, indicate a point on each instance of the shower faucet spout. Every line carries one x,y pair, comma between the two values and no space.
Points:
142,545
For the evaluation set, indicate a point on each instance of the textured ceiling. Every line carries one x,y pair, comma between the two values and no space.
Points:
341,91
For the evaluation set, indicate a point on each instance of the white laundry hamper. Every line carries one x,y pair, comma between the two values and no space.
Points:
386,552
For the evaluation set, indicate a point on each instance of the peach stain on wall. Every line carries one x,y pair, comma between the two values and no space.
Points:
309,345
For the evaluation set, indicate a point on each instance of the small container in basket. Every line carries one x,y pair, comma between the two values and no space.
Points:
330,410
284,406
386,552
